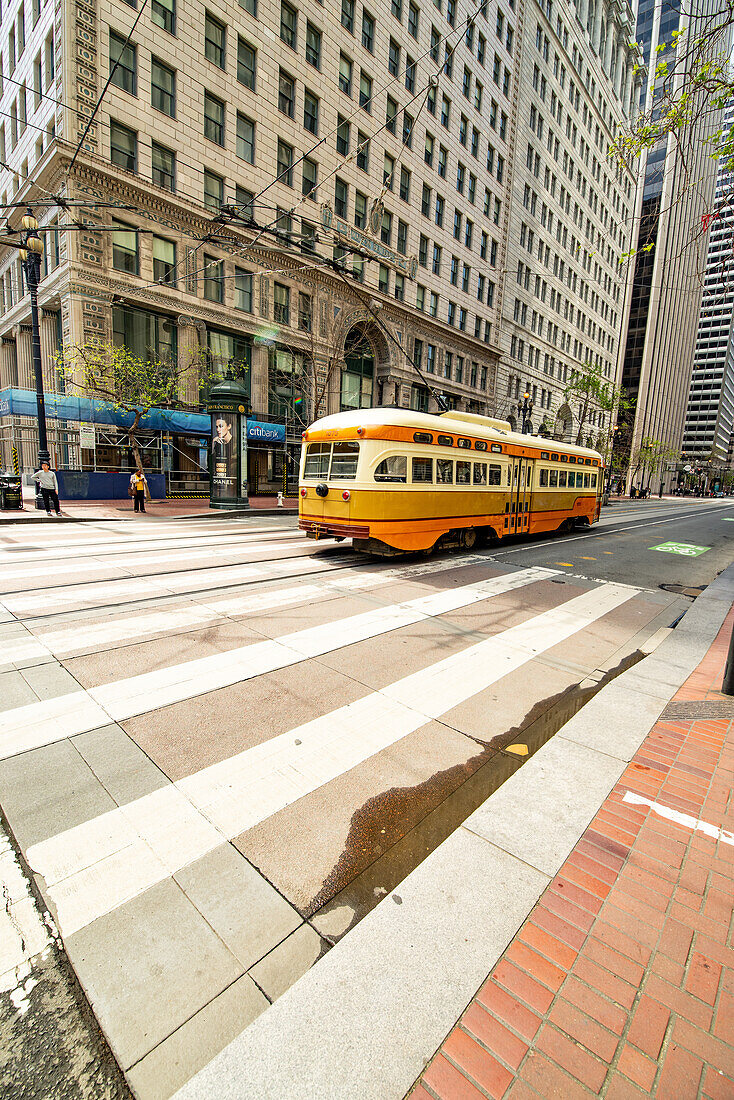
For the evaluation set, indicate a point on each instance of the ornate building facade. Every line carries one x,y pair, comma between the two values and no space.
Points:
375,204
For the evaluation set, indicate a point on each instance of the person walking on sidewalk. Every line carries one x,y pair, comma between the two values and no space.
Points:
46,480
139,489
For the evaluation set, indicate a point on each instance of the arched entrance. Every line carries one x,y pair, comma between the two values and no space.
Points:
358,372
564,424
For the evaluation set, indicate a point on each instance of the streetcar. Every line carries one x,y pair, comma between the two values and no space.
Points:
394,481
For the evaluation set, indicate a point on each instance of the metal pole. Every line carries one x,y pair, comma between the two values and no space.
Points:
32,268
727,687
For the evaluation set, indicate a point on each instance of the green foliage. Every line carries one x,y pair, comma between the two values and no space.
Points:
593,390
654,455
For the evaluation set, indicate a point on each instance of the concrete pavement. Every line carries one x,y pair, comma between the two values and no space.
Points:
223,745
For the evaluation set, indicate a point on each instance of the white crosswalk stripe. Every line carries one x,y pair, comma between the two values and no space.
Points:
78,712
93,868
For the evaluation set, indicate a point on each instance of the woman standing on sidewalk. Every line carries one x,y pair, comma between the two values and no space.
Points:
46,480
139,489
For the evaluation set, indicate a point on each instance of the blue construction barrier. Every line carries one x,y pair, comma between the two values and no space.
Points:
88,485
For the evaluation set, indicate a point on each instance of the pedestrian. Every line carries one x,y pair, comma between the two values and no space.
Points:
139,489
46,480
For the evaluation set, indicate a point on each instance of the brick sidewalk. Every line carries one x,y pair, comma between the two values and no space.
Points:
621,981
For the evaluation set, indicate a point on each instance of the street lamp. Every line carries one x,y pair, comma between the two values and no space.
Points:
31,250
525,411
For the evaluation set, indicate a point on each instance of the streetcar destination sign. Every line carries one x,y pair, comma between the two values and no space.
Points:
686,549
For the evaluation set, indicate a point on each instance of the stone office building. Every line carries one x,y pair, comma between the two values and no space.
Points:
376,203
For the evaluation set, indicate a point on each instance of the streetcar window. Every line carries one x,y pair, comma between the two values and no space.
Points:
480,473
422,469
554,457
593,481
445,441
394,468
422,437
515,469
543,479
544,454
564,458
554,479
463,473
317,460
496,448
509,475
463,443
571,479
587,462
529,476
495,475
561,479
444,471
344,460
572,458
586,481
480,445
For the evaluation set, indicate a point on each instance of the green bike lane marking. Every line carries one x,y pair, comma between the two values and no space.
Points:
686,549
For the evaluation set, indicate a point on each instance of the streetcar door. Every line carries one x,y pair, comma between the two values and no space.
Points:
519,497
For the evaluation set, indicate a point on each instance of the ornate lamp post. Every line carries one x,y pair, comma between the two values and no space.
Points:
31,250
525,411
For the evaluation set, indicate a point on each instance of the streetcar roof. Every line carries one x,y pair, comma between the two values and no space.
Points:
407,418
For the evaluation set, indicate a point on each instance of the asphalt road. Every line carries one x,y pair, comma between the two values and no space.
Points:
621,547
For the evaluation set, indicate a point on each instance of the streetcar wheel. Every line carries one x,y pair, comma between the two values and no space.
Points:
470,538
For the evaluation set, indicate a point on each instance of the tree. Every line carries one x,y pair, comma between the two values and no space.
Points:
594,391
127,383
653,455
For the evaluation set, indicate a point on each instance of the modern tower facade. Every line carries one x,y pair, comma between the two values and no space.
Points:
710,413
321,200
675,194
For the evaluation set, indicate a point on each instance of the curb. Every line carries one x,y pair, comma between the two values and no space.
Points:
217,514
368,1018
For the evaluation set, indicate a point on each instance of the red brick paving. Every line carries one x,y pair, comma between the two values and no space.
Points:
621,981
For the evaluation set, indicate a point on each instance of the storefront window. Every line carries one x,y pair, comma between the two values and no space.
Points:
230,353
288,377
145,335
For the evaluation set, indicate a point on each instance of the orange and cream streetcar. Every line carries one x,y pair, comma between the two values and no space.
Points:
395,480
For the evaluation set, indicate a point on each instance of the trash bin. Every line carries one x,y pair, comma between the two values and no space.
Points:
11,497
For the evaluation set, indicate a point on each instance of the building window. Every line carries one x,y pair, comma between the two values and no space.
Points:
123,146
245,138
288,24
396,7
249,6
399,290
388,171
123,64
309,174
243,290
125,248
413,19
286,94
163,14
213,190
281,304
347,17
402,245
386,227
360,210
393,58
433,305
391,114
408,123
313,45
162,87
305,312
246,63
404,184
213,118
164,166
342,135
310,112
368,31
363,152
365,91
341,198
214,40
384,279
345,74
285,163
436,265
145,335
164,261
213,279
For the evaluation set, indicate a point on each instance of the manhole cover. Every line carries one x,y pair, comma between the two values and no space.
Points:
700,708
683,589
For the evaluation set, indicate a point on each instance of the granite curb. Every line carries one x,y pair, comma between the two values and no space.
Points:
215,515
366,1020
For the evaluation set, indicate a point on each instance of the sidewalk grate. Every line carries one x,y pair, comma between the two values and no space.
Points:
700,708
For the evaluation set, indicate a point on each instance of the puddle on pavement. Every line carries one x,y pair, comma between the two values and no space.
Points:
379,853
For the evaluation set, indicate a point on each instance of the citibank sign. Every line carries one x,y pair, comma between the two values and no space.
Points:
271,433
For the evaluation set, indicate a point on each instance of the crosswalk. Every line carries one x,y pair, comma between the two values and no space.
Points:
351,671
